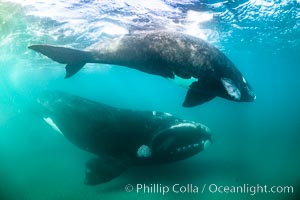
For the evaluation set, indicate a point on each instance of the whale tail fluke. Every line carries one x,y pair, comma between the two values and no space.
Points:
75,59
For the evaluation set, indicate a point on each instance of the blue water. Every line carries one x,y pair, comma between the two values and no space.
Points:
254,143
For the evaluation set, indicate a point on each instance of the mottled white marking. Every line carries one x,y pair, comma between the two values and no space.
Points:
206,144
203,127
231,88
168,114
144,151
183,82
184,125
180,43
189,147
244,80
50,122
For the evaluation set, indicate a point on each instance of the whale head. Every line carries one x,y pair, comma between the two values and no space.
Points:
248,94
234,85
237,89
179,141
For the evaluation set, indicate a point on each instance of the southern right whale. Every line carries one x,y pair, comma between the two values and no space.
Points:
121,138
204,69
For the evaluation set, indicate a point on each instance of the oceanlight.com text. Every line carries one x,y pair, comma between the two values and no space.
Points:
250,189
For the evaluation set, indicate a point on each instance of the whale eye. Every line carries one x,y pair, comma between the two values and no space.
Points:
231,88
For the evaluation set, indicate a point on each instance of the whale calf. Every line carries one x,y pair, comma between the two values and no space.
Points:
176,56
121,138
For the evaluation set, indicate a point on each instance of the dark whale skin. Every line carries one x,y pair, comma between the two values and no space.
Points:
121,138
167,54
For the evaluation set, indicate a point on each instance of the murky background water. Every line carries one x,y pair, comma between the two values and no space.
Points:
253,142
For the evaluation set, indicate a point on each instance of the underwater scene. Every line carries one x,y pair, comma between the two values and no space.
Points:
160,99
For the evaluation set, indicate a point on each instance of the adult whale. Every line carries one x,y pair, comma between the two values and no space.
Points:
119,137
169,54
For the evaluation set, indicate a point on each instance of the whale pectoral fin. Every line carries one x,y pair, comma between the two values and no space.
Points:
73,68
198,94
102,170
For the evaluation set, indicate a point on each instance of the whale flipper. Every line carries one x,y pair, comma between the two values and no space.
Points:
101,170
73,68
199,93
75,59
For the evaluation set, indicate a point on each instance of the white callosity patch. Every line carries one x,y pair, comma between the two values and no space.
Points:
160,115
206,144
195,145
231,88
244,80
186,124
187,147
168,114
144,151
185,83
50,122
203,127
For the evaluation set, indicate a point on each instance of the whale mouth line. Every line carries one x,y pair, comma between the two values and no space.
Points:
186,148
191,147
182,139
